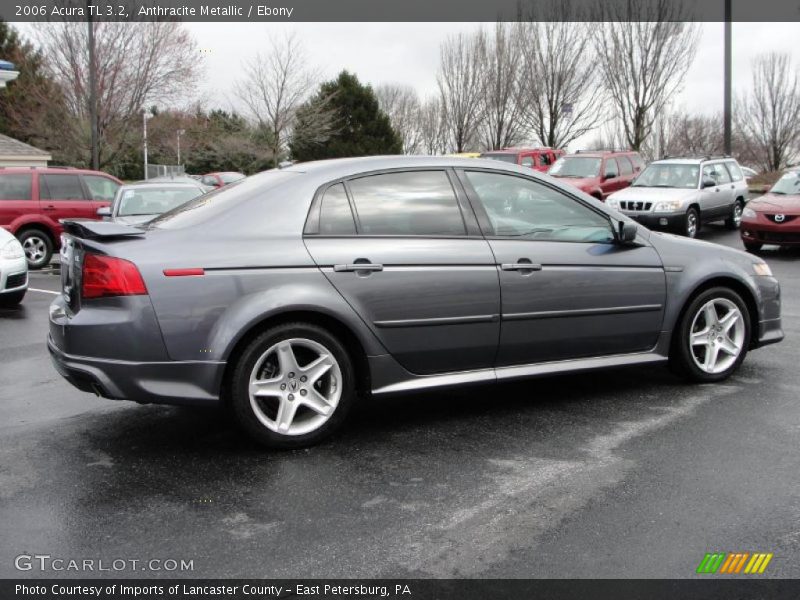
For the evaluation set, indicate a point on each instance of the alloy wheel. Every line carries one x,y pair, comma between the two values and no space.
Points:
35,249
717,335
691,224
737,214
295,386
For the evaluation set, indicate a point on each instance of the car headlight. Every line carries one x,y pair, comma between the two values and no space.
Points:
667,206
611,203
762,268
12,249
749,213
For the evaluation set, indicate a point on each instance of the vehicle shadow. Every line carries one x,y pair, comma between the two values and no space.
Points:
16,313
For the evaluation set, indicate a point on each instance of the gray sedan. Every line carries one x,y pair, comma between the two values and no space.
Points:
289,295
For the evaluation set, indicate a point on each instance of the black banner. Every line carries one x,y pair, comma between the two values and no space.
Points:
288,11
416,589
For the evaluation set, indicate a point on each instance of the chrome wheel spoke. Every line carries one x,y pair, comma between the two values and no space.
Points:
286,412
316,402
317,369
730,347
700,338
729,320
286,359
710,361
266,387
710,313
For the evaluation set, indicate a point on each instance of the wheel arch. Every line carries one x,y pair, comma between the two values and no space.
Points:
732,283
330,323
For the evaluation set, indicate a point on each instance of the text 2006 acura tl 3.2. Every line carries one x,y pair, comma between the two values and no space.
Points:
291,293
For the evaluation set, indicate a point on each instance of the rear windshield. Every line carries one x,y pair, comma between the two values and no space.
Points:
215,203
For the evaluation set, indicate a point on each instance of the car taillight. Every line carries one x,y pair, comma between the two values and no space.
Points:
105,276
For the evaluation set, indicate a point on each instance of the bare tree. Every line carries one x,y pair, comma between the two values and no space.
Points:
644,49
431,125
502,106
138,64
770,113
402,104
274,86
559,74
461,89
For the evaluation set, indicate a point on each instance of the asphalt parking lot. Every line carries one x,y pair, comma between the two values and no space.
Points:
623,474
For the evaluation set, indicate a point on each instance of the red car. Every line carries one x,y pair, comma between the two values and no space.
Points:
598,172
540,159
218,180
774,218
33,199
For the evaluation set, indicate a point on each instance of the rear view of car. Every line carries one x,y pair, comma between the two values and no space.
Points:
13,270
774,218
538,159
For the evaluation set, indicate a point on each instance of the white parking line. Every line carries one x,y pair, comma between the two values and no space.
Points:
44,291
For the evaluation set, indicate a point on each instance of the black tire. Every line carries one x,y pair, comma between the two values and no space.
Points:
681,359
692,217
753,247
12,299
244,413
38,240
735,218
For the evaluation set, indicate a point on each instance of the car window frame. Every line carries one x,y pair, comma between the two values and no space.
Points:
312,225
606,160
30,187
88,191
46,186
728,164
487,229
622,159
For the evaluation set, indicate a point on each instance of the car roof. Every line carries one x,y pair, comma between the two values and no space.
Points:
49,170
692,160
161,184
517,150
335,168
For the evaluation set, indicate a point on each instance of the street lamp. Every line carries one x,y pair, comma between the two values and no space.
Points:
180,133
145,116
726,103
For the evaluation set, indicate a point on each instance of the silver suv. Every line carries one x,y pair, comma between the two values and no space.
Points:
679,194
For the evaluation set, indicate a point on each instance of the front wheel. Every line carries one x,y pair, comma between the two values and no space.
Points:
11,299
293,386
691,224
712,337
735,218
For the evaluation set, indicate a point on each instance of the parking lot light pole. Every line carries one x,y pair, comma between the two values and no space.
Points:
180,133
726,111
144,139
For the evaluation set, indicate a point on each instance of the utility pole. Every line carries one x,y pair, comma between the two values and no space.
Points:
726,111
180,133
93,95
144,139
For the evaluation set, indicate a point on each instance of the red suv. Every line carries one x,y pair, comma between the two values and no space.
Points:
540,159
598,172
33,199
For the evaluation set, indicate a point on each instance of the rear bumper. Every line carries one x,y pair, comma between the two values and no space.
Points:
185,382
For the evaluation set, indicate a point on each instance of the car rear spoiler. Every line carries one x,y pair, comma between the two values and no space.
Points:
96,230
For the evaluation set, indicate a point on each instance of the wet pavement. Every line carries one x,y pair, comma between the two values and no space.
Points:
625,473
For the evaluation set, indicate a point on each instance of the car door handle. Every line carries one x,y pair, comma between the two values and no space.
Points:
357,267
522,266
49,207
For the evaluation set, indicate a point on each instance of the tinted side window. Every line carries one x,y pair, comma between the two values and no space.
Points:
15,187
625,165
523,209
60,187
735,171
409,203
545,159
101,188
335,216
527,161
611,168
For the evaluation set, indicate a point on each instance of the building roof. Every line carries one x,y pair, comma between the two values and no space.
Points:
11,147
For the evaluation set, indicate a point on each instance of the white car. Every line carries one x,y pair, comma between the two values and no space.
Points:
13,270
679,194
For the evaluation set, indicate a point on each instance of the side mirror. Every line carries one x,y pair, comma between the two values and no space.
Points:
707,183
626,232
104,211
611,175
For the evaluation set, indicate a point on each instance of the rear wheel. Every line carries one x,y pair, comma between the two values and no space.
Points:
38,248
691,223
735,218
293,386
12,299
752,247
712,337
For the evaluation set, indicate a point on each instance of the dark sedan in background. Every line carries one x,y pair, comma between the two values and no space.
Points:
291,293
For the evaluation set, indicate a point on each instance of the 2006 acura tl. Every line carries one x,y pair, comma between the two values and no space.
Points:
290,293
